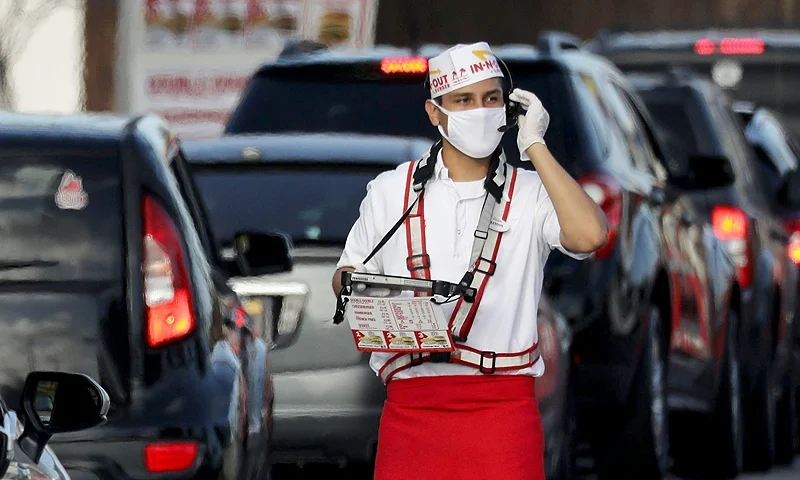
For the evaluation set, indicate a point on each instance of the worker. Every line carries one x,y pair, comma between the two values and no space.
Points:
472,413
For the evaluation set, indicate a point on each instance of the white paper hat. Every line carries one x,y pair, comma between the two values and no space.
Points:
460,66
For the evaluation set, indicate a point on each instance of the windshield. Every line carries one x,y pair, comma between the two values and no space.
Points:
312,205
345,99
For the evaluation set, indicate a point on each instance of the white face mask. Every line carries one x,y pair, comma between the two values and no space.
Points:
474,132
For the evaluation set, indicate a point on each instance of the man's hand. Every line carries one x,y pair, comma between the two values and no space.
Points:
532,125
359,289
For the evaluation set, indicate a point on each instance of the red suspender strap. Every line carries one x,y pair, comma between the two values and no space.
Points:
464,313
418,261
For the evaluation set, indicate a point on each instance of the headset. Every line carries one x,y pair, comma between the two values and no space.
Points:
513,109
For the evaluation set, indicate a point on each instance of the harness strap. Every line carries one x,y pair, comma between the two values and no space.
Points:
486,362
418,261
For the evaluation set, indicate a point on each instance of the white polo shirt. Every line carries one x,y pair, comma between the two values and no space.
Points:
506,318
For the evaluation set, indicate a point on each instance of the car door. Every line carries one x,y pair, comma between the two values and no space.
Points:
684,236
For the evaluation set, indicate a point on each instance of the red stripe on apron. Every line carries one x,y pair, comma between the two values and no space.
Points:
465,427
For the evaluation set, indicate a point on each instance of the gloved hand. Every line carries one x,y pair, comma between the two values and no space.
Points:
532,125
361,290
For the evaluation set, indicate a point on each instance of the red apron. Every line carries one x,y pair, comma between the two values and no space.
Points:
461,427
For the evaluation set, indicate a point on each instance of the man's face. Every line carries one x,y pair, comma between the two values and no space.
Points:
484,94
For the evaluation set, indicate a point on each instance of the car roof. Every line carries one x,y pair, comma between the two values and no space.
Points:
676,78
306,147
664,39
551,46
28,131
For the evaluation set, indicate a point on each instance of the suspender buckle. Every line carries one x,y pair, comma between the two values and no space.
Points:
440,357
486,266
482,235
485,369
420,261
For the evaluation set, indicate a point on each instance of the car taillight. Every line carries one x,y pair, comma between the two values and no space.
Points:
167,291
730,46
167,457
793,249
730,226
606,192
404,65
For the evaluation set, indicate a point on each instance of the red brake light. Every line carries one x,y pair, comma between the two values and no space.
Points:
607,193
167,292
404,65
741,46
793,249
730,46
169,456
730,225
704,46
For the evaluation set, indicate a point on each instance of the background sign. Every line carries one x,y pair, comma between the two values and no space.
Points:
192,58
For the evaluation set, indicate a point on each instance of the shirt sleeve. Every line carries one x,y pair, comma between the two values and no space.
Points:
549,227
364,234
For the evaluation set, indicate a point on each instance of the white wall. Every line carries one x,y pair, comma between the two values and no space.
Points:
47,76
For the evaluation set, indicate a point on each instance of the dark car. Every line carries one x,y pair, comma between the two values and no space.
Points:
328,401
648,308
756,65
700,115
108,268
778,153
24,435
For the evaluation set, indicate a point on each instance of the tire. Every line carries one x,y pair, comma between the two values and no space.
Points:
760,420
634,443
711,446
786,421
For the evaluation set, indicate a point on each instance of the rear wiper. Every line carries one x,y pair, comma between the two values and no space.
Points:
27,264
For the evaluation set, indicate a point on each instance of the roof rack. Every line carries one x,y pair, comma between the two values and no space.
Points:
551,41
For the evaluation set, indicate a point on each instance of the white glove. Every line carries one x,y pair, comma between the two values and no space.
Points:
361,290
532,125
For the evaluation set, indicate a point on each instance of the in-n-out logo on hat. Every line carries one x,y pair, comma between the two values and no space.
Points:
460,66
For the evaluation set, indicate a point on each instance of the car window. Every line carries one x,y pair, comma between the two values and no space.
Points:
189,193
61,217
312,205
769,175
359,98
656,155
598,113
632,130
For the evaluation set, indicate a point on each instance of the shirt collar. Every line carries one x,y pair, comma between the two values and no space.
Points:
440,172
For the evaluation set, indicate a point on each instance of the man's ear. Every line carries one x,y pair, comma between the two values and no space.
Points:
434,114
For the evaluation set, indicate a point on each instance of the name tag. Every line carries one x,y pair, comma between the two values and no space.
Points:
498,225
397,325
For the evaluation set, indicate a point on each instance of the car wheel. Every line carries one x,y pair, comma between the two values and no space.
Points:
634,443
760,420
786,421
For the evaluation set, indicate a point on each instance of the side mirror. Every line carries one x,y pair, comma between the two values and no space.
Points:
705,172
59,402
276,308
255,253
789,191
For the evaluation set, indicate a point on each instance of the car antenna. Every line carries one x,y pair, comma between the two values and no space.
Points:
413,28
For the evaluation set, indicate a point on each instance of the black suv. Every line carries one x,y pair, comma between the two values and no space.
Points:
700,114
652,301
761,66
108,268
